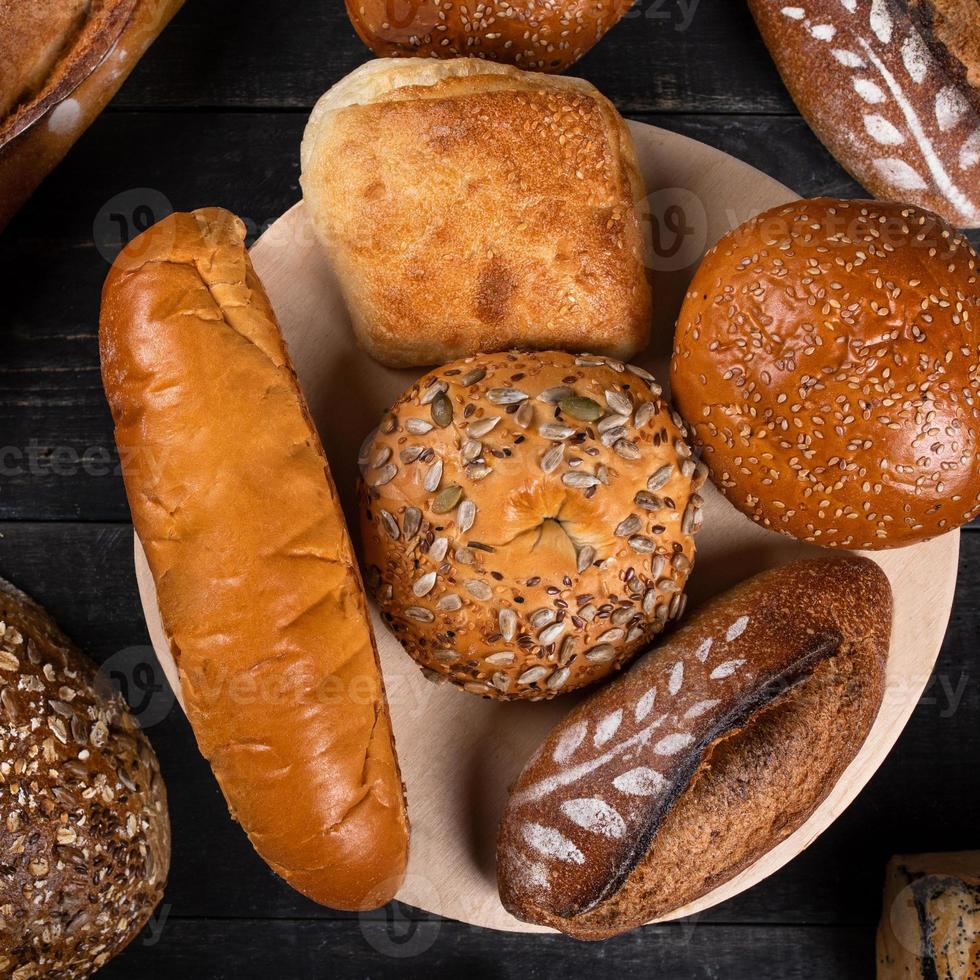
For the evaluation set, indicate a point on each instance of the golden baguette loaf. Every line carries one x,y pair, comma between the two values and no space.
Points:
63,60
708,752
258,587
469,207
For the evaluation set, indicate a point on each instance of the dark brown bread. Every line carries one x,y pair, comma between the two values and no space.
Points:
62,61
889,87
84,830
704,755
930,919
258,587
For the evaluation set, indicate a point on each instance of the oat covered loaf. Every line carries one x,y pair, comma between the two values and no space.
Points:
258,588
468,207
705,754
826,358
537,35
84,829
528,520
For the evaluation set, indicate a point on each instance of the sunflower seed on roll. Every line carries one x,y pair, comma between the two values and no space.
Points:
542,561
826,359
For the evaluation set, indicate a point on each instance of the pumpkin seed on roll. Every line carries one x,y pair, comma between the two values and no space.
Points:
528,520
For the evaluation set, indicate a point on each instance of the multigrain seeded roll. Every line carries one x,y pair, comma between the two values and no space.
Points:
84,830
826,357
528,520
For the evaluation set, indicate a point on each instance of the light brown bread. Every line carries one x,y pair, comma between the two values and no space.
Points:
469,207
537,35
84,830
826,360
890,88
709,751
63,60
259,591
930,918
528,520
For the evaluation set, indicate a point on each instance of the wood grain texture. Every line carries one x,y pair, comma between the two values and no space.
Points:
667,55
413,950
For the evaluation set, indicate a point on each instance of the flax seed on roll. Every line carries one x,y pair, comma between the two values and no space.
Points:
528,520
826,357
538,35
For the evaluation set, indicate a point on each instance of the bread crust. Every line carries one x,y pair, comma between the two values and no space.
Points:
84,828
259,591
469,207
528,520
709,751
58,84
888,97
826,360
535,35
930,917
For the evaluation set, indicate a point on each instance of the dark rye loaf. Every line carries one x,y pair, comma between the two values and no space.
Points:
703,756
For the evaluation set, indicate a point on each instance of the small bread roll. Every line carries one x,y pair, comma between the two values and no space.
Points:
528,520
826,359
469,207
539,35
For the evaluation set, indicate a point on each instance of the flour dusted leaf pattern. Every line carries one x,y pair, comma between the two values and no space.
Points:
919,134
633,747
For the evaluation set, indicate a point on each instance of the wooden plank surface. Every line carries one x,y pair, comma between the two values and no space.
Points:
420,951
213,116
667,55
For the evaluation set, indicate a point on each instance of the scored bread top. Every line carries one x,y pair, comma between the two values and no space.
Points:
470,207
588,840
258,587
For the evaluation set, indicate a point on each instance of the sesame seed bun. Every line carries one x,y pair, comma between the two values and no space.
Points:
826,358
528,520
538,35
83,814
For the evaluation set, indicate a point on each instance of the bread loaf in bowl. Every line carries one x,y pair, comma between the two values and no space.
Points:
705,754
63,60
892,88
259,592
469,207
84,829
537,35
826,360
930,919
528,520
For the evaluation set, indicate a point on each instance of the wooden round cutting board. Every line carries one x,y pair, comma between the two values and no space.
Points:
459,753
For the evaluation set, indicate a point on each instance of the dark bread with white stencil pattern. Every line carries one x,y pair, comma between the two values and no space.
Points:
890,88
708,752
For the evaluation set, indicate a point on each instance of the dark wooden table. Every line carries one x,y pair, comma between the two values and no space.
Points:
214,115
